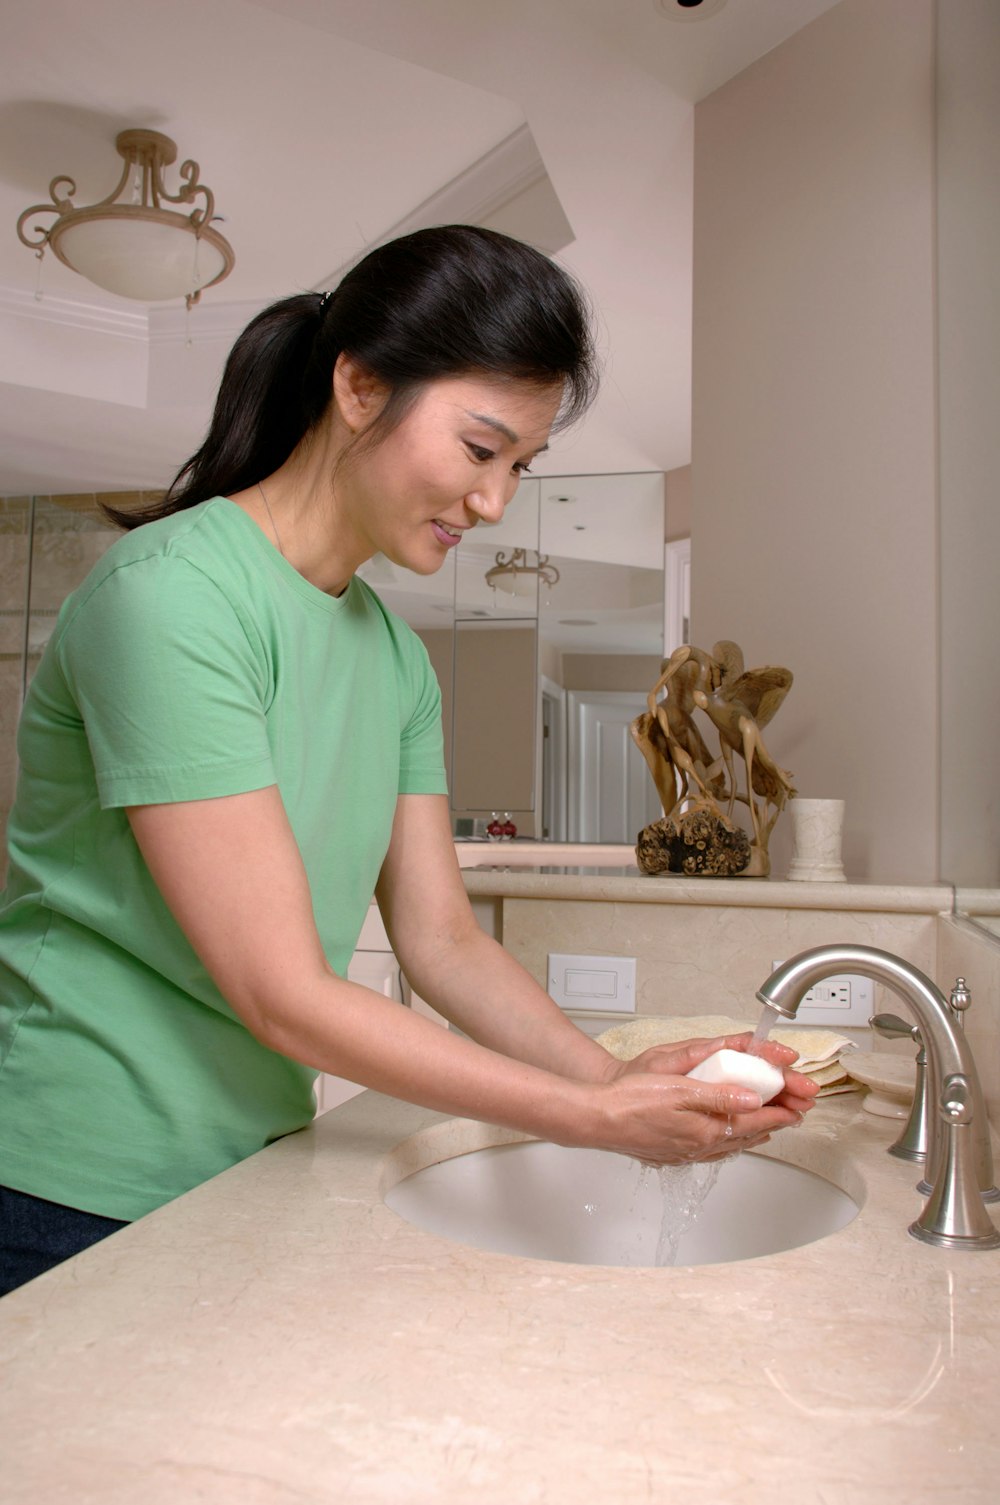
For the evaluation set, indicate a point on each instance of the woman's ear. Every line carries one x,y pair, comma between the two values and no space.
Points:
359,395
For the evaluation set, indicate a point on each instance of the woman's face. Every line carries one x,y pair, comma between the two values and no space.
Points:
453,461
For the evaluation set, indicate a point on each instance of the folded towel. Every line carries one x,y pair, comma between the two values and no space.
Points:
817,1049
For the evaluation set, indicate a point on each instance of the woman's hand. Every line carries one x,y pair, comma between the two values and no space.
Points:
679,1119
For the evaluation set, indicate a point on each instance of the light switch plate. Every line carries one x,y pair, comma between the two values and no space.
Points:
605,984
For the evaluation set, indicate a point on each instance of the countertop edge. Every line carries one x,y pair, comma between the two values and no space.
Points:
748,893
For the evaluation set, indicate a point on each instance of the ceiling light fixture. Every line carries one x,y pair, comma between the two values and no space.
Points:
517,568
129,243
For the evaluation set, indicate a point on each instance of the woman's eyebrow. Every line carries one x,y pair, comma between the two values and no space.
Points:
501,428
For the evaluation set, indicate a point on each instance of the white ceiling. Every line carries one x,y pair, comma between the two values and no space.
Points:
321,125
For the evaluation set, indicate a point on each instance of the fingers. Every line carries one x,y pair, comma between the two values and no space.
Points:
674,1060
768,1050
678,1060
797,1081
769,1119
800,1092
720,1099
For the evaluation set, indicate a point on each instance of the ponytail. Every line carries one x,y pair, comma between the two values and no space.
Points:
270,396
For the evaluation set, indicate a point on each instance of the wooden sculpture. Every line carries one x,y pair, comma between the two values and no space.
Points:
696,835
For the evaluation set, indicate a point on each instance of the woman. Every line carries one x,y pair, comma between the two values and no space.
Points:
230,745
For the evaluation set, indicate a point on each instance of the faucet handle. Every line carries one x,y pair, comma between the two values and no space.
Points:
891,1026
956,1100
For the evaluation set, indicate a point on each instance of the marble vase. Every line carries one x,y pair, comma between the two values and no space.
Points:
817,828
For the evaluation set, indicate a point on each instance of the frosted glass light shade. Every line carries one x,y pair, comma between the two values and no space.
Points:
524,584
152,258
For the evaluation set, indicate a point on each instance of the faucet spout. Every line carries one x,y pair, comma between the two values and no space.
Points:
959,1161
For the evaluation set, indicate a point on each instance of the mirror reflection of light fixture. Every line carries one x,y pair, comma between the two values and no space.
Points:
129,243
515,571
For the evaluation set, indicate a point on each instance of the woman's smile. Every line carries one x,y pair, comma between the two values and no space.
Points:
445,535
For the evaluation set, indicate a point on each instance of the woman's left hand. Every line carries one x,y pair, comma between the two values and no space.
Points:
798,1096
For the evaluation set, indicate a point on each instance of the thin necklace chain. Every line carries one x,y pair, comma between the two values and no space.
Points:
270,518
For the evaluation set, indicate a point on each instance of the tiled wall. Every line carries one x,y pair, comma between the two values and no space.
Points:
704,959
971,951
15,515
60,538
711,959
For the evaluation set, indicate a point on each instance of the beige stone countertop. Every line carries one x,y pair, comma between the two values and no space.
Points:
627,885
279,1336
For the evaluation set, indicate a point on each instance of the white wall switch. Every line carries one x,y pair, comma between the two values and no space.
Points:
603,983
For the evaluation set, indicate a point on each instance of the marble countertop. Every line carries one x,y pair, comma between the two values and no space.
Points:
278,1336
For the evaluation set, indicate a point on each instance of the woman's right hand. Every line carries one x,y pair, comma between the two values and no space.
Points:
670,1120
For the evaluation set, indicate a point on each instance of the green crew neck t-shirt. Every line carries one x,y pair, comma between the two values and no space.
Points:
193,662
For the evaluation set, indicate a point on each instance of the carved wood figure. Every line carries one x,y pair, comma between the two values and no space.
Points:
696,835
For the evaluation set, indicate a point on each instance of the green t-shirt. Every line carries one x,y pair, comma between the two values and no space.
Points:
193,662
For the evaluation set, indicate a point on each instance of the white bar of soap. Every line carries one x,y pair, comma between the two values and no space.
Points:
737,1069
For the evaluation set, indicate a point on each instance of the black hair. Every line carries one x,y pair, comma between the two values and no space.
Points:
445,302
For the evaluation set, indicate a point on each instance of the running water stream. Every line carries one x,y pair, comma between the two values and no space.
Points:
768,1019
683,1189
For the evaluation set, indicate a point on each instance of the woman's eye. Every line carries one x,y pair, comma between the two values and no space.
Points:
521,468
478,453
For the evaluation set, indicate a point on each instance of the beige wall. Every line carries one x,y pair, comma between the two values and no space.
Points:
969,399
610,671
677,499
814,521
62,537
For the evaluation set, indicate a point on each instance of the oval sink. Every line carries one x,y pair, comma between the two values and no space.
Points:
592,1207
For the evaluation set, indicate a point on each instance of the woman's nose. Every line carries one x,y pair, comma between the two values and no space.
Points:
490,498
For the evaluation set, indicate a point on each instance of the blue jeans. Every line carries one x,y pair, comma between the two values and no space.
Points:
35,1235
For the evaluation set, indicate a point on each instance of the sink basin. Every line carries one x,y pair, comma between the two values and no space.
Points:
592,1207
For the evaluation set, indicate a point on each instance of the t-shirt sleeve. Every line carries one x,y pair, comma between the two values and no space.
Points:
170,688
421,747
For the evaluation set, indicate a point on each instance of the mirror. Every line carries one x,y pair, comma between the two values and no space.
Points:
544,665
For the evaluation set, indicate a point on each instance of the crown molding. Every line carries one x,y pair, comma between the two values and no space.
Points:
72,313
208,322
152,326
480,191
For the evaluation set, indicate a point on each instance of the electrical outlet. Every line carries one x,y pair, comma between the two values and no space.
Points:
846,1000
605,984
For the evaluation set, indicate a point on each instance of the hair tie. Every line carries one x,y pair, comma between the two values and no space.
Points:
324,299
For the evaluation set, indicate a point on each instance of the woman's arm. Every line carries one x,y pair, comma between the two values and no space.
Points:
230,871
450,961
478,986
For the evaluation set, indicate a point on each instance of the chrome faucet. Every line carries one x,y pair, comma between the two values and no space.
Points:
959,1159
